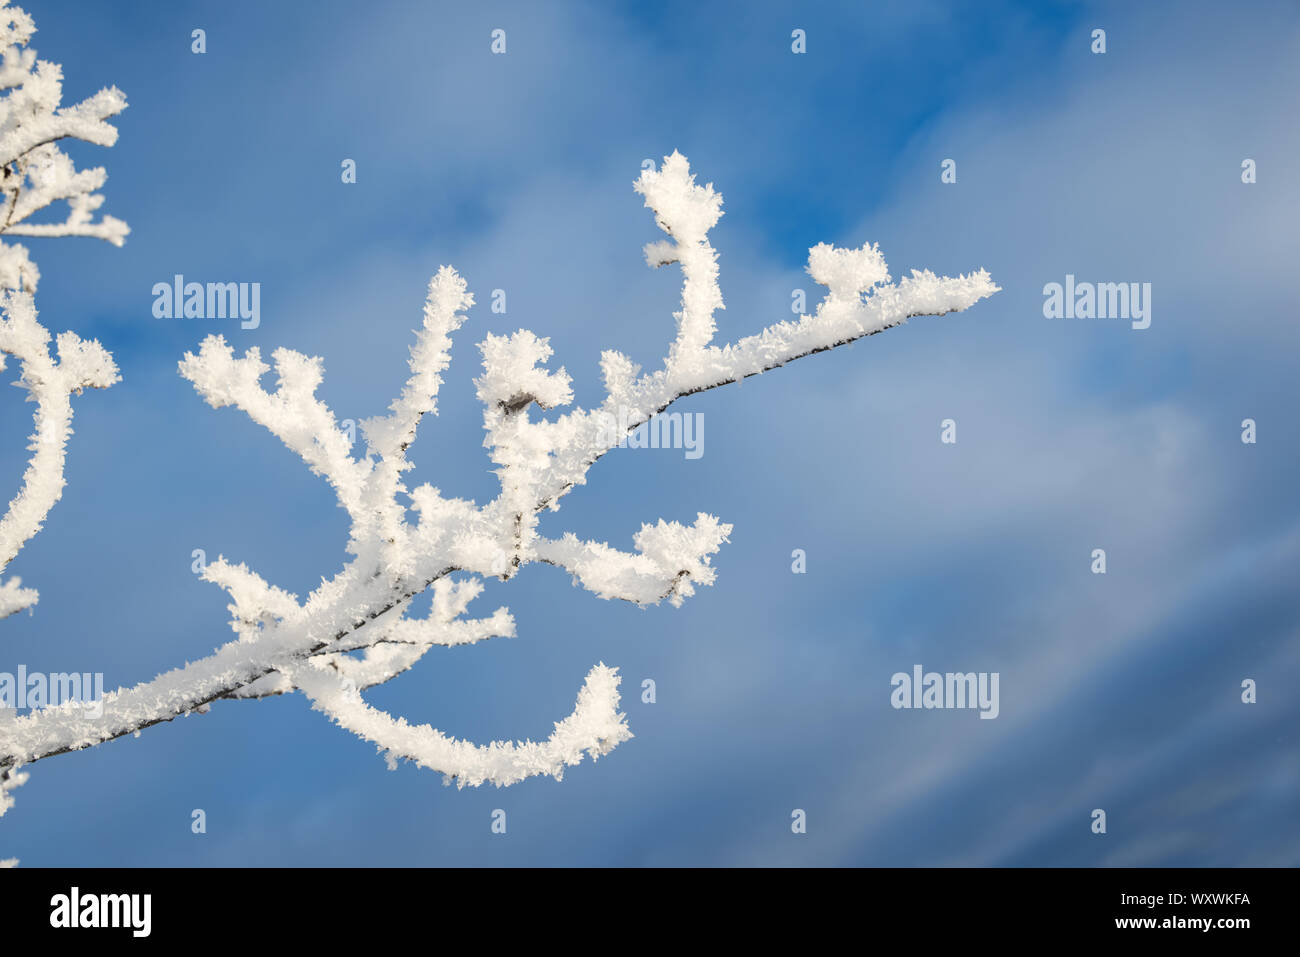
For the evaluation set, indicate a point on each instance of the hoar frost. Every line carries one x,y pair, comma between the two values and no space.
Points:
356,630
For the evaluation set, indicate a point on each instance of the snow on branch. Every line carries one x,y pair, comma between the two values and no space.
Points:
15,598
355,630
50,384
291,413
595,727
444,313
34,172
672,558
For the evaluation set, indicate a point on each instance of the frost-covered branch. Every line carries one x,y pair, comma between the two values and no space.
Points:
595,727
354,631
15,598
398,643
671,559
50,384
34,172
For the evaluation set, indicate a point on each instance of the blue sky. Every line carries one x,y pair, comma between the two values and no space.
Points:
1119,692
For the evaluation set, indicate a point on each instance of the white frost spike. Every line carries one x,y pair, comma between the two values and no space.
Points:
50,384
14,598
673,559
10,778
618,371
595,727
443,315
512,378
686,212
255,602
292,413
849,273
355,630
